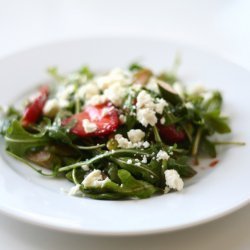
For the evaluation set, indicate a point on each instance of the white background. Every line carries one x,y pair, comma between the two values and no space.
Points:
221,26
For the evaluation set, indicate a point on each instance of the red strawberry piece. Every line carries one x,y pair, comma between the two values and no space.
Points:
170,134
34,109
104,116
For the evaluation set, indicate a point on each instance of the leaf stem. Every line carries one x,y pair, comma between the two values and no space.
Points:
30,165
156,135
90,147
229,143
102,156
196,144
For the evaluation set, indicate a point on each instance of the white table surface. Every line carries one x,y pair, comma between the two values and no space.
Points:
221,26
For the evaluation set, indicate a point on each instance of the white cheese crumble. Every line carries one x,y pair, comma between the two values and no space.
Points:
85,167
145,144
152,84
129,161
106,111
135,135
144,159
146,116
160,105
75,190
147,109
162,155
122,119
51,107
138,164
66,92
173,180
96,99
88,126
125,143
189,105
87,91
115,93
94,179
162,120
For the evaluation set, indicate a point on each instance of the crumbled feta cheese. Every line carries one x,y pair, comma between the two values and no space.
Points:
51,108
63,103
144,100
135,135
173,180
138,164
146,116
75,191
160,105
87,91
162,120
85,167
189,105
94,179
146,144
66,92
129,161
122,119
88,126
123,142
147,109
162,155
106,111
115,76
144,159
152,85
116,93
96,99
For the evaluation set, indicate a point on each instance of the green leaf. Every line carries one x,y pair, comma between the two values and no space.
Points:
135,67
181,166
87,72
214,103
216,123
208,148
130,187
168,93
147,172
128,108
19,141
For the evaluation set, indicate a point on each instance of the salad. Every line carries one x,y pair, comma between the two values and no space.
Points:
127,133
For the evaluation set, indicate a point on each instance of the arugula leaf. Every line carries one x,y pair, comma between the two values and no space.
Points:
168,93
135,67
214,103
130,187
181,166
217,123
208,147
129,112
19,141
147,172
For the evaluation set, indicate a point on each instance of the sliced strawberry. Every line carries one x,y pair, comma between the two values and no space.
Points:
170,134
34,110
104,116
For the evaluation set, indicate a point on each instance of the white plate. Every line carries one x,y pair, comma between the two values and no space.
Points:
211,194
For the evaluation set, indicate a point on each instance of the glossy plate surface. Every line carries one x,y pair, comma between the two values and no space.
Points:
214,192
